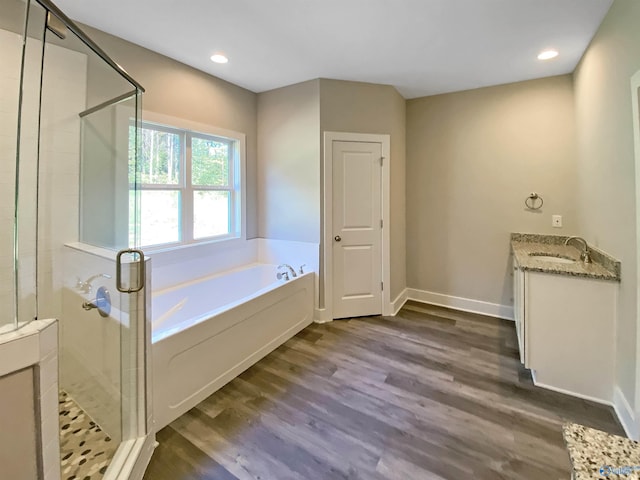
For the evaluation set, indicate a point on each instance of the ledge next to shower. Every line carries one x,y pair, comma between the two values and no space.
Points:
35,346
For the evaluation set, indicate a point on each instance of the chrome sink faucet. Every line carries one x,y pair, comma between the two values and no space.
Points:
584,256
286,274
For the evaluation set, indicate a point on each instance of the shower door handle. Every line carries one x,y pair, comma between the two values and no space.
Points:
141,274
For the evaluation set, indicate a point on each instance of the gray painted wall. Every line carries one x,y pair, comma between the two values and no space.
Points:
178,90
472,159
289,163
606,170
358,107
291,123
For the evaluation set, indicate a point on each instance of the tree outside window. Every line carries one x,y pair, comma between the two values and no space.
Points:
189,186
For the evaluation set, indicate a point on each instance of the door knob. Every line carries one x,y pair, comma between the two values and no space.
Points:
337,238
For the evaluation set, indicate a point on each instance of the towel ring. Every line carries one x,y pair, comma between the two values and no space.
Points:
531,202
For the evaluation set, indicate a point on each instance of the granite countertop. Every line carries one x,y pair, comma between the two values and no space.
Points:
603,266
596,454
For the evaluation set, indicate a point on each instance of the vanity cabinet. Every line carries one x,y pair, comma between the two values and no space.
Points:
518,308
565,328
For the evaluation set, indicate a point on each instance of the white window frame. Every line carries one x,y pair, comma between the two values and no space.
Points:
237,180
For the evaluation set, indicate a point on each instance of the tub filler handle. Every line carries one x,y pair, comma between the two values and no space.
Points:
281,275
102,303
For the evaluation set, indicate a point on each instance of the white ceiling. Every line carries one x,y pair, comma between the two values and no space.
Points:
422,47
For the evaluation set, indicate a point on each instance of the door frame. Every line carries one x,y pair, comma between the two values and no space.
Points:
635,105
326,298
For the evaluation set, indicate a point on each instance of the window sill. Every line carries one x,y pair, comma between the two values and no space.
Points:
102,252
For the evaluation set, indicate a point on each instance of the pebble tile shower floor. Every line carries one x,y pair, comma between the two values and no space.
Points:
85,450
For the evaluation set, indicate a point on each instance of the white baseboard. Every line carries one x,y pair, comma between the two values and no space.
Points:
569,392
462,304
625,413
620,405
399,302
321,315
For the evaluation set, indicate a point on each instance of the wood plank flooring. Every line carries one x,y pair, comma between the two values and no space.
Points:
428,394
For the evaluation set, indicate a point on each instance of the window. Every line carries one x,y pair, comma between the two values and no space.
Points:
189,186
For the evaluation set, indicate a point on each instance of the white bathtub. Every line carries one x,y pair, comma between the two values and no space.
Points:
205,333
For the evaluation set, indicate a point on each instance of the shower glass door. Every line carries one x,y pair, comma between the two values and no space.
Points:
11,26
82,177
20,51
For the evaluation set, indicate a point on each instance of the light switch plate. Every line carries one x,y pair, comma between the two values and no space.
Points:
556,221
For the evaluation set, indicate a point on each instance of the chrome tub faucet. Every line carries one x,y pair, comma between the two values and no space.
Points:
86,286
288,270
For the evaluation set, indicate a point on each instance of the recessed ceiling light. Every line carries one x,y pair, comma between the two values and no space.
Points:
548,54
218,58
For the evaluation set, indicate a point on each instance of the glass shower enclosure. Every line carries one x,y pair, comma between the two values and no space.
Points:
69,208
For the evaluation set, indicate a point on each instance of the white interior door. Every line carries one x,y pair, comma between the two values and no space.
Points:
357,229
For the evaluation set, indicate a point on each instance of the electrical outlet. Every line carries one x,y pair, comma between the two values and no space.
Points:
556,221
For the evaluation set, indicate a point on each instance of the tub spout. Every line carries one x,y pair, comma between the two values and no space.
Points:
86,286
289,268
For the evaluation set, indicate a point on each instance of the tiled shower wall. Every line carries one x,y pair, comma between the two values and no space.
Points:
63,97
90,346
10,50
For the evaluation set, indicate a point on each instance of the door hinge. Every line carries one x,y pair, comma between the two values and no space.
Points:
381,285
381,161
381,223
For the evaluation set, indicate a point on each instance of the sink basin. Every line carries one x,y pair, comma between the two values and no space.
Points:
551,258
